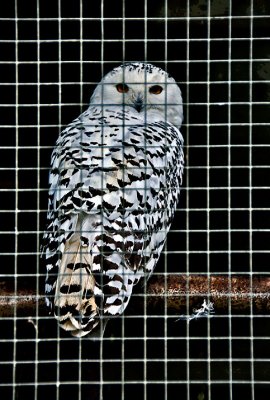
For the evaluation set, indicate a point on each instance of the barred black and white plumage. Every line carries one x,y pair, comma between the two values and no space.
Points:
114,186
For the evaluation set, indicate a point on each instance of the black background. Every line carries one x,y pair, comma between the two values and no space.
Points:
49,70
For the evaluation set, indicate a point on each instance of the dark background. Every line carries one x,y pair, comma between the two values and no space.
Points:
53,53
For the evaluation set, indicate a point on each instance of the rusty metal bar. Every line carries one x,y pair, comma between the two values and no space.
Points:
241,291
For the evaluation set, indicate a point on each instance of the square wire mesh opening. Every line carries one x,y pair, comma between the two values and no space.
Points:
53,55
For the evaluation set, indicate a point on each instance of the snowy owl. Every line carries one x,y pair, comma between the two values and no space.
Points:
115,181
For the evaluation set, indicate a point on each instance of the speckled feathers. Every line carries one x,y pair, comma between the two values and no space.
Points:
114,186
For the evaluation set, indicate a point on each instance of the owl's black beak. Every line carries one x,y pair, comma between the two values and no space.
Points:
138,103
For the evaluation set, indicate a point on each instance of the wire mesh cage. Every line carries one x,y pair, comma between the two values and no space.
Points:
53,54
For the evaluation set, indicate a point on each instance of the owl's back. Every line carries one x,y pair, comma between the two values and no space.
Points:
114,187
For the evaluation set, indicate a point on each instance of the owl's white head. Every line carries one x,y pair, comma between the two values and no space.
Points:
144,87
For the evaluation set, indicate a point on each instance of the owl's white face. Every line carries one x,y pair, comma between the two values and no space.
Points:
143,87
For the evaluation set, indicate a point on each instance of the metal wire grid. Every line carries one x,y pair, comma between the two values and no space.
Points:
53,55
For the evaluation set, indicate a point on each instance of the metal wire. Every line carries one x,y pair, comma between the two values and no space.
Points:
52,57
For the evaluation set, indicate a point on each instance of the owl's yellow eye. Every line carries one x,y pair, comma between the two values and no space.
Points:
122,88
156,89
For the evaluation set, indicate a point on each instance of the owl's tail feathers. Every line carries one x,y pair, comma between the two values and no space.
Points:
74,302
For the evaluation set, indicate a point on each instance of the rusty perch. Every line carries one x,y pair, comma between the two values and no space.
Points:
179,293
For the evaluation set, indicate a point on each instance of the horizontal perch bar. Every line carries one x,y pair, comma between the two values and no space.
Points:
239,292
176,291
